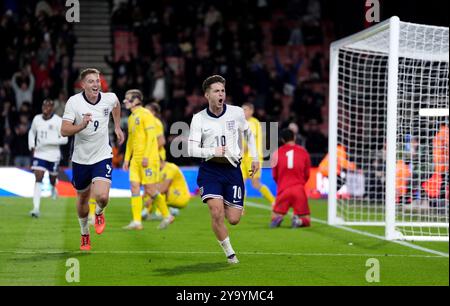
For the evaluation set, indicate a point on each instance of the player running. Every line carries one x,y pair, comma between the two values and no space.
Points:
87,117
246,165
142,150
214,136
290,169
44,139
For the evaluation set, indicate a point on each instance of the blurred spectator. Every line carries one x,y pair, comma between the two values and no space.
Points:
60,103
261,81
316,142
288,73
296,38
299,138
120,67
42,7
212,17
312,32
7,118
121,15
376,177
19,144
23,85
316,67
262,9
179,44
8,62
196,102
280,33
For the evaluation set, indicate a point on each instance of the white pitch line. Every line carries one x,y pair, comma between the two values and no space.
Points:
348,229
61,252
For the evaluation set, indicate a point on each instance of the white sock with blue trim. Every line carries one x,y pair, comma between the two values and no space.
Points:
84,225
37,196
227,248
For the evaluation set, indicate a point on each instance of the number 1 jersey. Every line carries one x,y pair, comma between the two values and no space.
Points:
290,166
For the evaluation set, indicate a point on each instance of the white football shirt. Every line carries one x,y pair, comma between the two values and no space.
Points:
91,145
209,131
45,138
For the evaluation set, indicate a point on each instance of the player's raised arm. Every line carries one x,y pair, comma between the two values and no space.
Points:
116,119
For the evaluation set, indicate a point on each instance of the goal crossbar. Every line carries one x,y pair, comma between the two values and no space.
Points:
397,71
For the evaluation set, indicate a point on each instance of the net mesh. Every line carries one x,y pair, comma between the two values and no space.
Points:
422,196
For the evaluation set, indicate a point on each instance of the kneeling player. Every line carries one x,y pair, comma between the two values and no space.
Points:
174,185
291,166
175,189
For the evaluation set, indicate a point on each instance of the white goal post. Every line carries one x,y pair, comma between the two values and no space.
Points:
388,130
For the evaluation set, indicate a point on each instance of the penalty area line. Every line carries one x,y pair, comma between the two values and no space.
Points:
355,231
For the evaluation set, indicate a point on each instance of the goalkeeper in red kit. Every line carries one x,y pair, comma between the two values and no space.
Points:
290,169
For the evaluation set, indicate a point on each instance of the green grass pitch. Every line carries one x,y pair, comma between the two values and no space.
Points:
34,252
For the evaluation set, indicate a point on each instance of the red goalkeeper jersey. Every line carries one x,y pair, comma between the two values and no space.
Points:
290,166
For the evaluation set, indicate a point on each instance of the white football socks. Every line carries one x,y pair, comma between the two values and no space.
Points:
98,210
37,197
84,225
227,248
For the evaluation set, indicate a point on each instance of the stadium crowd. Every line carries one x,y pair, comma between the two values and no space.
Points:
272,53
36,59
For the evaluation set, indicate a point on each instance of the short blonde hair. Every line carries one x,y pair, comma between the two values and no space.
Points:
249,105
87,71
136,93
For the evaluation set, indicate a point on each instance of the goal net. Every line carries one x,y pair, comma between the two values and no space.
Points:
388,137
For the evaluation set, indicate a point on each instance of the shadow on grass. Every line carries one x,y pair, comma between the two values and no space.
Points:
193,269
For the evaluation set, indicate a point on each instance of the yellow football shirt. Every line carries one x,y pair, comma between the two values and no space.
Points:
255,127
160,132
142,141
178,185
